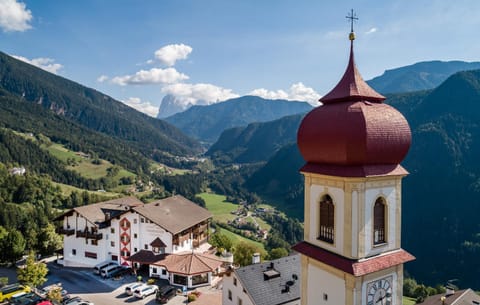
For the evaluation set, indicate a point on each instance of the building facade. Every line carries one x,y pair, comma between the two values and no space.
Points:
117,229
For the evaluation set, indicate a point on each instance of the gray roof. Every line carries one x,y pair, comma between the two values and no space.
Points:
174,214
267,286
462,297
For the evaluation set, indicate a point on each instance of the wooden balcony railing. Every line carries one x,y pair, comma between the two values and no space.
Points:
90,235
64,231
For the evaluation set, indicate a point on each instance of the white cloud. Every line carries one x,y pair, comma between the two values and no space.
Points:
145,107
102,78
192,93
46,64
297,92
269,94
14,16
371,31
171,53
152,76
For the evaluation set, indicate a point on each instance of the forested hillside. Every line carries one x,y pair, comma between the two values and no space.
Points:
91,109
256,142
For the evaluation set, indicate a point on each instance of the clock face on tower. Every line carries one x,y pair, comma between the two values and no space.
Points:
379,292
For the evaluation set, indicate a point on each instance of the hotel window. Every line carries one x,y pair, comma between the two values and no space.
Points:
74,251
229,294
112,230
135,221
379,234
135,250
142,220
327,220
146,247
240,302
234,281
94,242
90,254
135,235
112,244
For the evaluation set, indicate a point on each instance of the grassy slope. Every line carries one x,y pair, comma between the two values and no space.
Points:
408,301
85,167
220,208
237,238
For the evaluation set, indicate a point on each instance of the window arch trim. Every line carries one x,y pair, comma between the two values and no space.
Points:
326,223
380,230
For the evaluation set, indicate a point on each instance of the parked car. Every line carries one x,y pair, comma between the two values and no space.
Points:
8,291
120,271
71,300
46,290
103,265
106,272
25,298
165,293
131,287
144,291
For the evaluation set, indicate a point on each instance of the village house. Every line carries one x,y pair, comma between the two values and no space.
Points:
120,228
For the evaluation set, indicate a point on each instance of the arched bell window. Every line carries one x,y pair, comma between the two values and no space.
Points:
327,220
379,230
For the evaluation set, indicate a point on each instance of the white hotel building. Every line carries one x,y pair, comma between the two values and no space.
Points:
119,228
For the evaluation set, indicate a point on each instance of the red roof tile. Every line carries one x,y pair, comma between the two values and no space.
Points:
353,266
352,86
189,264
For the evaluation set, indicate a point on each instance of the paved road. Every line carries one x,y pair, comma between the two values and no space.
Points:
83,283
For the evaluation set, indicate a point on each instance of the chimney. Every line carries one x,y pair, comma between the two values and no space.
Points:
450,290
256,258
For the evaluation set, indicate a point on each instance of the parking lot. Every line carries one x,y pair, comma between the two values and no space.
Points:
83,283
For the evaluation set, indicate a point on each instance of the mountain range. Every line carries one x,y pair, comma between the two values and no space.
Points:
206,123
419,76
441,195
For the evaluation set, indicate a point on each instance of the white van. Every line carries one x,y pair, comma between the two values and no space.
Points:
107,271
100,266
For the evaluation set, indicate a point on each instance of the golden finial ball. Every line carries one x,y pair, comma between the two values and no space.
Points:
351,36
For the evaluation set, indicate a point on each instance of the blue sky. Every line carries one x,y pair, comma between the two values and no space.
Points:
137,51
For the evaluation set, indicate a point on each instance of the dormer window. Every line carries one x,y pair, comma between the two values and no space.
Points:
327,220
379,234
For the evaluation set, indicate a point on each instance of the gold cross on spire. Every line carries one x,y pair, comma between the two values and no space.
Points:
352,16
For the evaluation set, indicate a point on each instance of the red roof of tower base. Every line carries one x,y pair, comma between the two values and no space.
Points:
352,266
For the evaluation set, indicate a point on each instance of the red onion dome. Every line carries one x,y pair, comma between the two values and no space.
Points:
353,127
354,133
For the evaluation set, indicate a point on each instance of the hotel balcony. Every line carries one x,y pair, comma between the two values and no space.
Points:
64,231
90,235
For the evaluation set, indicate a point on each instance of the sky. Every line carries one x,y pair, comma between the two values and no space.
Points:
137,51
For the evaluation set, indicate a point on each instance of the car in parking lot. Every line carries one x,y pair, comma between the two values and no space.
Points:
165,293
144,291
25,298
77,301
48,289
9,291
129,289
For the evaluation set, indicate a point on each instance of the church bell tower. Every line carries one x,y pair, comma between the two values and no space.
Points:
353,146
